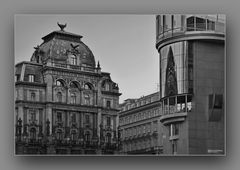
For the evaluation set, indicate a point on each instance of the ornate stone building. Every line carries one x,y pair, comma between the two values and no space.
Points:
192,89
140,127
64,103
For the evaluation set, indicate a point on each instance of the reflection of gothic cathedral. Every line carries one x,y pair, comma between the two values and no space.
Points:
64,103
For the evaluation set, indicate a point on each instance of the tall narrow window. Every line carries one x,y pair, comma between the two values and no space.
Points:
87,119
174,147
73,117
32,134
108,138
59,97
32,115
40,96
107,87
73,98
31,78
108,121
59,116
174,130
87,99
87,137
59,134
74,135
33,96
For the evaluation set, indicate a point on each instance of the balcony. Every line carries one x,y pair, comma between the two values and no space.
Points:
74,67
173,117
176,108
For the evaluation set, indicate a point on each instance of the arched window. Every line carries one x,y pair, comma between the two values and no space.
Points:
73,59
87,87
87,99
73,85
59,83
33,96
59,97
73,98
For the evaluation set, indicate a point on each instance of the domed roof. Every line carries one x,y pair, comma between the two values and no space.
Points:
59,45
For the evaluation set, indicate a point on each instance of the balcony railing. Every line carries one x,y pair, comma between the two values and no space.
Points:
218,27
74,67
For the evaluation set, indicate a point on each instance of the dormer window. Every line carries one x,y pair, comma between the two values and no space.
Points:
107,87
31,78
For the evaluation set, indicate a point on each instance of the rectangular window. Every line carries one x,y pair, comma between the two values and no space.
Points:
173,130
31,78
108,121
40,96
87,119
174,147
59,116
215,111
144,128
32,115
108,104
73,117
17,77
33,96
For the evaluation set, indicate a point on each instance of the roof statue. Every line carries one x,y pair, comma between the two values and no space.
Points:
74,46
36,48
62,26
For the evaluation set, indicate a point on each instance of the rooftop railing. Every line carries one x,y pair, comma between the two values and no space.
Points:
217,27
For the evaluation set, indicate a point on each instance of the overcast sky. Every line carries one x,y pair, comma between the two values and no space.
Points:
123,44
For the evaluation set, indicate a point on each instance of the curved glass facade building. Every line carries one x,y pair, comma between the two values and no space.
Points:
192,61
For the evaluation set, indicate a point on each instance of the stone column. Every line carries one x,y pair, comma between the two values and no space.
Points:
49,89
99,118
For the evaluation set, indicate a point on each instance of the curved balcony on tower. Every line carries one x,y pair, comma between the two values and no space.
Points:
176,108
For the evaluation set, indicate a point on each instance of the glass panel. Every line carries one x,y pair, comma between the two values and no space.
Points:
177,67
181,103
166,109
172,104
200,24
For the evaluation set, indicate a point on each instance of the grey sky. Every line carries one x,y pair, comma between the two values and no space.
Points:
124,45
